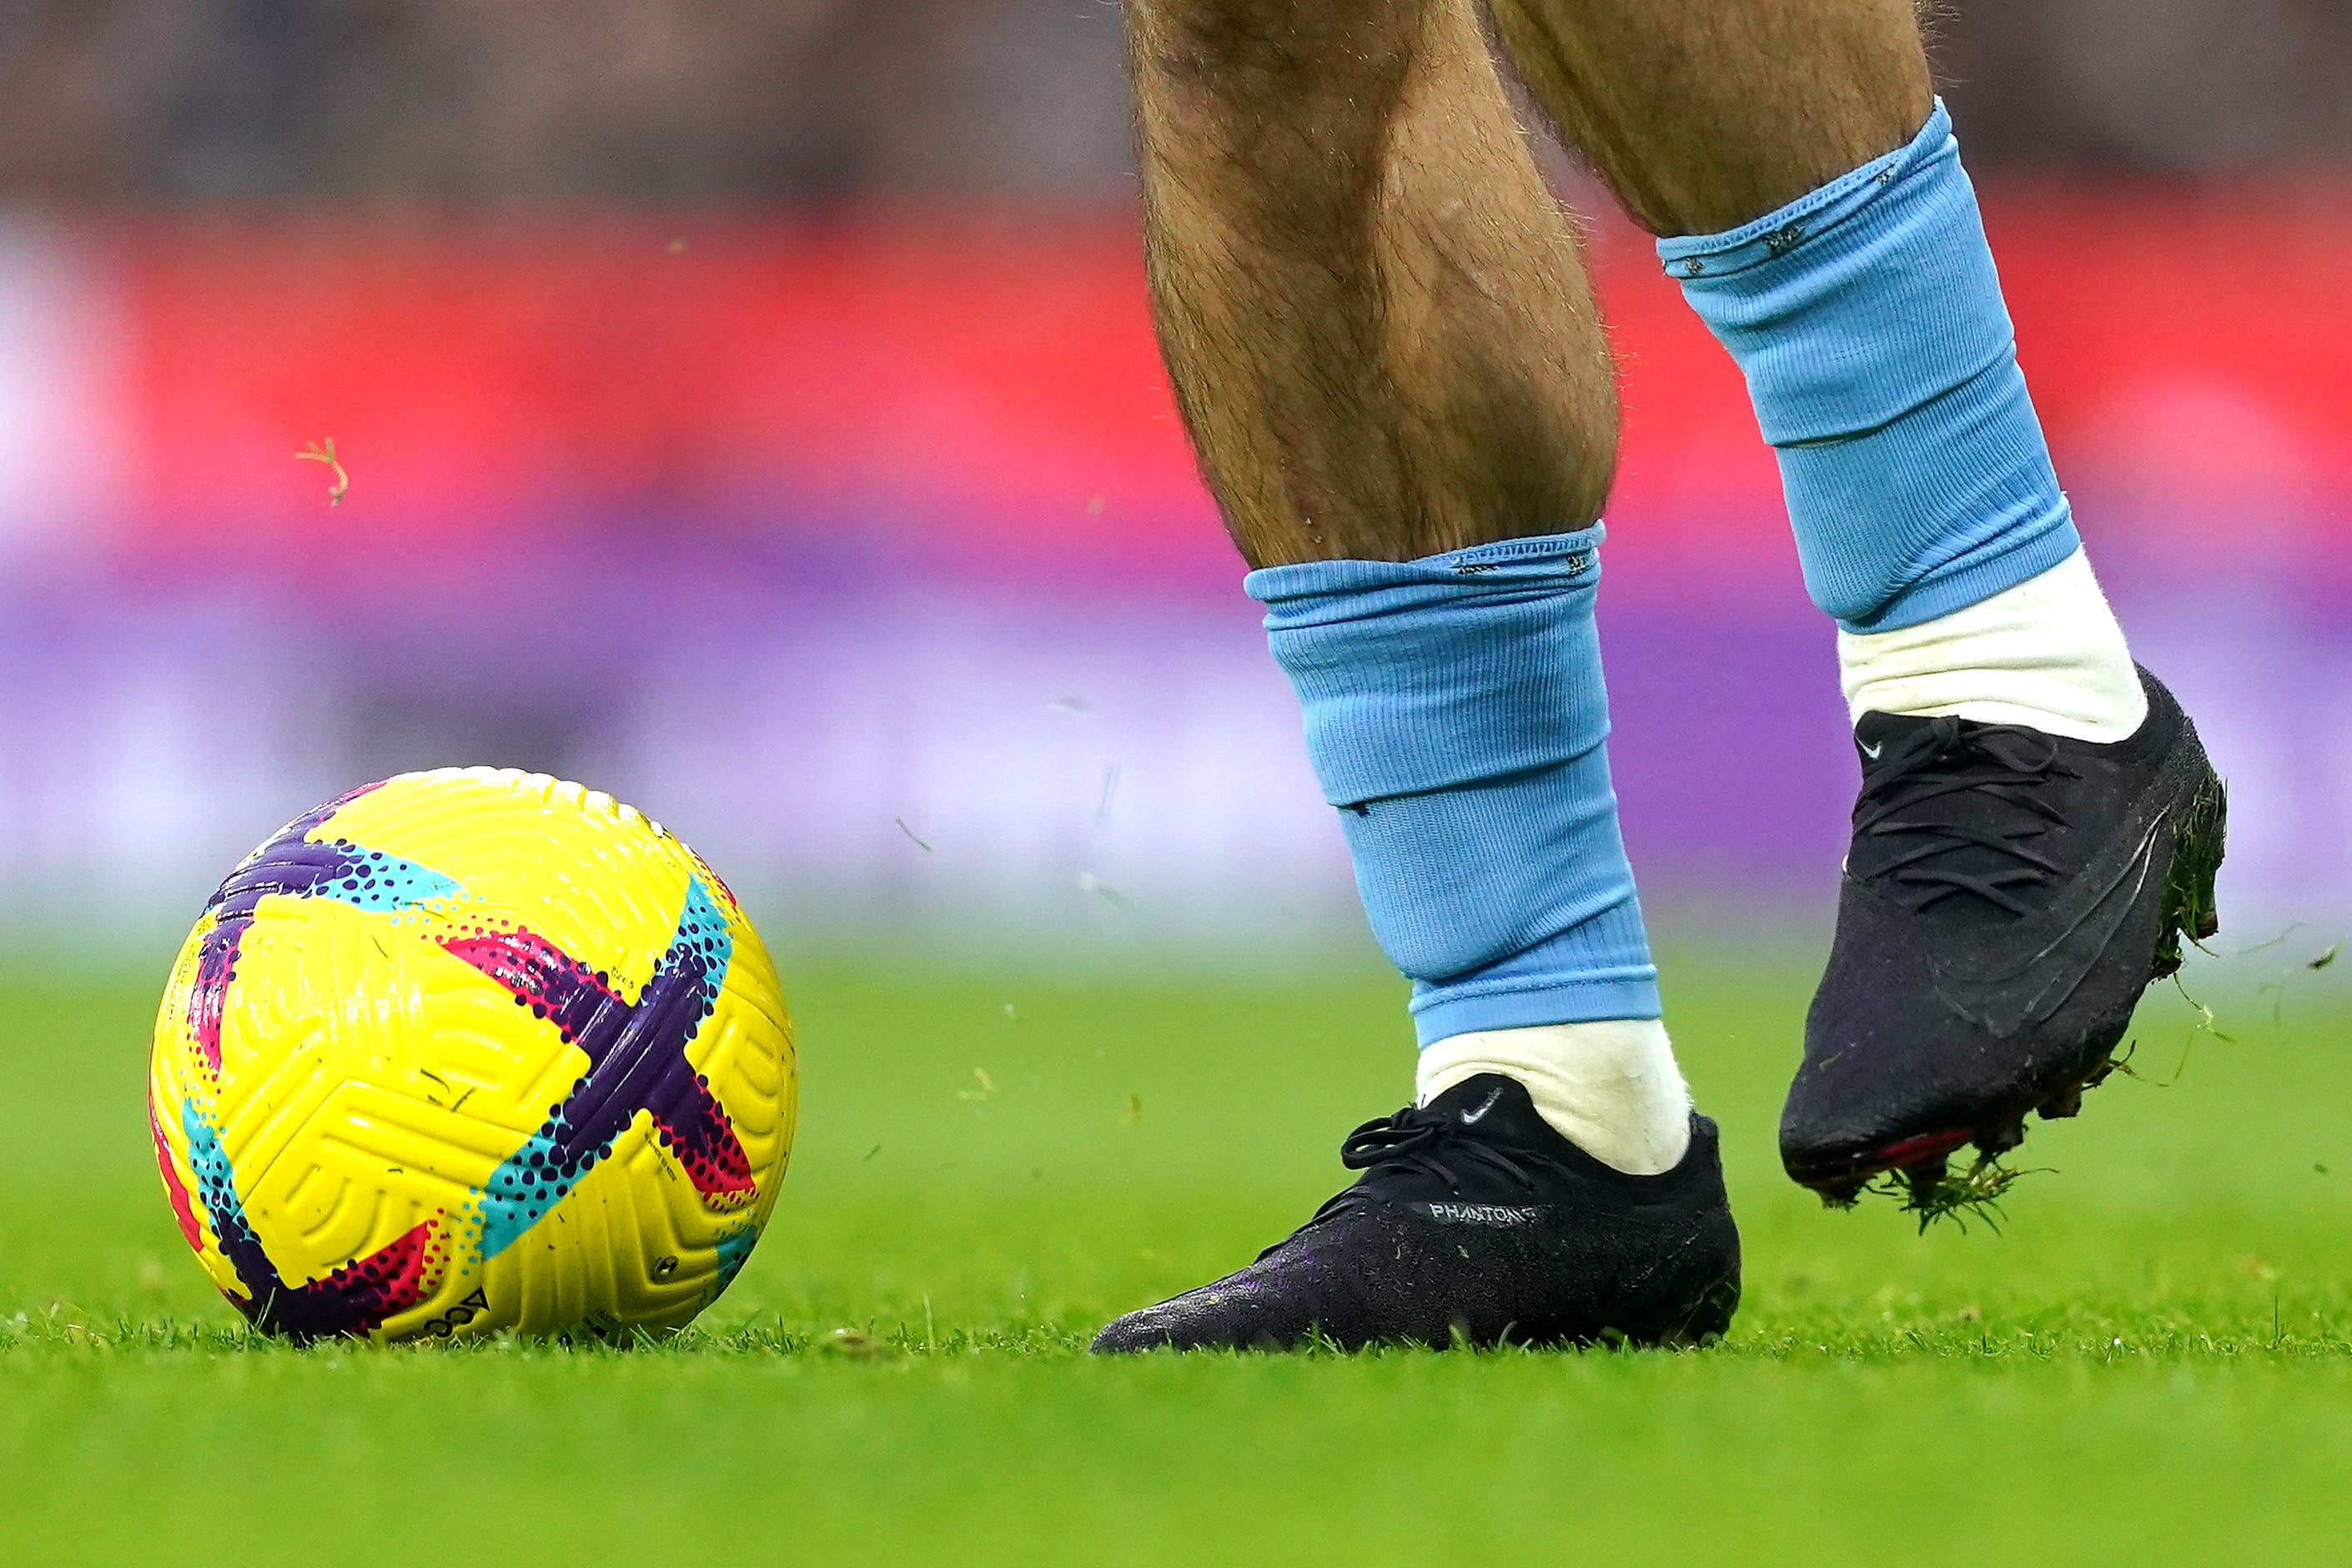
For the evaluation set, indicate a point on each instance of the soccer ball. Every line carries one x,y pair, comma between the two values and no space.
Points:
468,1051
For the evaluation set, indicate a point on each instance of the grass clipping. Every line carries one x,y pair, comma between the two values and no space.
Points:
1936,1192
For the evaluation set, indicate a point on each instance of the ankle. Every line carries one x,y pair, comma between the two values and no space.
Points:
1611,1087
2047,654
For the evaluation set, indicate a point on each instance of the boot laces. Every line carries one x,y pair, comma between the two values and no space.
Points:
1945,761
1419,1140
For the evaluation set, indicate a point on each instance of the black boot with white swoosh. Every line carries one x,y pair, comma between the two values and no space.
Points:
1476,1223
2008,897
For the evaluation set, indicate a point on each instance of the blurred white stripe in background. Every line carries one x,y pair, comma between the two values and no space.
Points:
63,350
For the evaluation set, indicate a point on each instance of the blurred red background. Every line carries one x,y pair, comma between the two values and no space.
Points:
753,408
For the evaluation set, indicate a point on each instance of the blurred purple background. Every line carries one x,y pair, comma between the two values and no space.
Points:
750,408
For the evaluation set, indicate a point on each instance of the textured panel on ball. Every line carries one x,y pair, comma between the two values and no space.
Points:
595,877
471,1050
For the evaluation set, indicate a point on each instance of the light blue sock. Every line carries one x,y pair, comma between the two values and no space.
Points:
1455,715
1868,320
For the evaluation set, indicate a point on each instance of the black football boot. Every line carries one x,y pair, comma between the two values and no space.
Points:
2008,897
1475,1221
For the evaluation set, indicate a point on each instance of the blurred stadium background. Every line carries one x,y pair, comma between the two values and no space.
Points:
750,407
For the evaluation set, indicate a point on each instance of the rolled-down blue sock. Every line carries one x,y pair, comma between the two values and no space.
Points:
1868,320
1455,716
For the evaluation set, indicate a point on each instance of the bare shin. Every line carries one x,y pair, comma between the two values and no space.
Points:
1705,114
1373,312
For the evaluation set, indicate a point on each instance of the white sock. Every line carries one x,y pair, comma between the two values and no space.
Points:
1610,1089
2047,654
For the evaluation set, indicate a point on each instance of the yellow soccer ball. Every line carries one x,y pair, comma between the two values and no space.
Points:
467,1052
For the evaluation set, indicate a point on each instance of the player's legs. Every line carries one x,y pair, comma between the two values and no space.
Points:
2038,823
1385,348
1375,317
1387,355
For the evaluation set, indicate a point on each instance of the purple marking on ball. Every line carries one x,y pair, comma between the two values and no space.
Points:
353,1299
636,1061
293,866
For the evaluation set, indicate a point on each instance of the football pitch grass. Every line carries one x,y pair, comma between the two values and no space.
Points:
2151,1363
